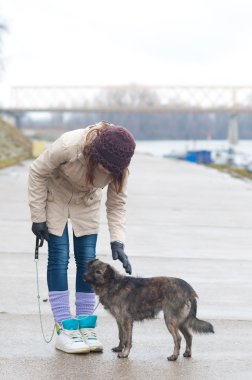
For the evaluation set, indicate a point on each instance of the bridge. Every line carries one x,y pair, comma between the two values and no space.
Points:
128,99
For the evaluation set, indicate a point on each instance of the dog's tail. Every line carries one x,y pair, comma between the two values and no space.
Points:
197,325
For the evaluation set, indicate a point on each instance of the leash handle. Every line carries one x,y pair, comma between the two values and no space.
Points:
37,249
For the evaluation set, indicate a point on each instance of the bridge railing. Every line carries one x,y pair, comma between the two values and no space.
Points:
134,98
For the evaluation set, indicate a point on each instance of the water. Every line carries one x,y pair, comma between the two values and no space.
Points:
162,147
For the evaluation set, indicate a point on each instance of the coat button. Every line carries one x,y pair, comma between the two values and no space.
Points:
91,198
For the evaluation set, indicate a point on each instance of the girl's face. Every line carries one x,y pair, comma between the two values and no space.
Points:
102,169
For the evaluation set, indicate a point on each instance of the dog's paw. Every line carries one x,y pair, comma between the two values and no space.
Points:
117,349
121,355
172,358
187,354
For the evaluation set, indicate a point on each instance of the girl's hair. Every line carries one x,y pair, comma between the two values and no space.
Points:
92,163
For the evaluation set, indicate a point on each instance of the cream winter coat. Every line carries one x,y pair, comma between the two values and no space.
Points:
58,190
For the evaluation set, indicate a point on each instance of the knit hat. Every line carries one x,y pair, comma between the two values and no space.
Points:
113,148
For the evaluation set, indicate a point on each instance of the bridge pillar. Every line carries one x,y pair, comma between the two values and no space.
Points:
233,137
233,132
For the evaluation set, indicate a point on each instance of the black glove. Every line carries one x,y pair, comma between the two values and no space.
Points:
118,253
41,231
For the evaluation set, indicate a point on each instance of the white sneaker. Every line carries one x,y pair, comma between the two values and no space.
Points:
87,328
90,338
69,339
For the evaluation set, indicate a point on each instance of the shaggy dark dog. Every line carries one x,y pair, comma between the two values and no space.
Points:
132,299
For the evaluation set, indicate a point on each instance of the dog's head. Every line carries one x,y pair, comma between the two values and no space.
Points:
99,273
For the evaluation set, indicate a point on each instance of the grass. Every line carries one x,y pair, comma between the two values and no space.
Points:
239,173
12,161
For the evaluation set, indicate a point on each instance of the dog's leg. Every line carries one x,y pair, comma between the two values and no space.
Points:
172,327
119,348
127,338
188,339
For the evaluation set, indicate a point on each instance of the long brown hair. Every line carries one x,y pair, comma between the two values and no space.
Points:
92,163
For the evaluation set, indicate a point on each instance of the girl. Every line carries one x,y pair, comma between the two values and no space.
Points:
66,181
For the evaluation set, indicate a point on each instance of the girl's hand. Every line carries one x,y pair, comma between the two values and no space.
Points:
41,231
118,253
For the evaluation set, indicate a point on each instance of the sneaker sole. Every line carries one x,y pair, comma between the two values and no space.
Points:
84,351
96,349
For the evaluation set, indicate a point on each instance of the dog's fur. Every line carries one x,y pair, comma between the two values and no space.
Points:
132,299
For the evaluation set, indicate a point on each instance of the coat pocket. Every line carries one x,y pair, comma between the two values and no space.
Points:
89,198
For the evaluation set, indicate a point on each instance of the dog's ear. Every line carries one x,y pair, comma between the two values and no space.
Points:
91,262
109,273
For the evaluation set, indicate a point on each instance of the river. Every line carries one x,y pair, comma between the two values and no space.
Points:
162,147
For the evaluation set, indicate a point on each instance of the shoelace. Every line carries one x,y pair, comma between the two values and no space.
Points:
89,333
73,334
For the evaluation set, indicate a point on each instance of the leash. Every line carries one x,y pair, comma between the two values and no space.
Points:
36,259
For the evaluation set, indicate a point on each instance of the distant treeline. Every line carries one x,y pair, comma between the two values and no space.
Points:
152,125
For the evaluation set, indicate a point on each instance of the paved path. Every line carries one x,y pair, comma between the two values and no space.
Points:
183,220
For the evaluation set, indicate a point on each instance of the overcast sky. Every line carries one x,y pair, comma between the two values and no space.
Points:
78,42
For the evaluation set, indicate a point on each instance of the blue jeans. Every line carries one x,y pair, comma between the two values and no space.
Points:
58,259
